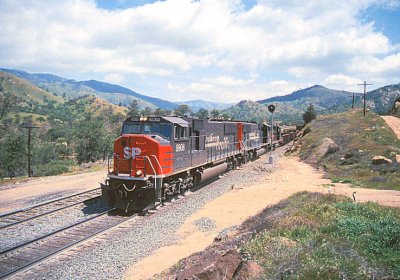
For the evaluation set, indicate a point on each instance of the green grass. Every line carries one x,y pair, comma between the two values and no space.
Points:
55,167
329,237
362,137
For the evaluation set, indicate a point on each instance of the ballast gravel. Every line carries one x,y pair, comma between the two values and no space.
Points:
110,255
26,231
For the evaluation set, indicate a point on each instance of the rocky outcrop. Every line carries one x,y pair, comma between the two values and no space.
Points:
328,146
224,268
250,270
395,110
378,160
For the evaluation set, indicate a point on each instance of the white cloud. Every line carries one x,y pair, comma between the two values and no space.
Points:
114,78
184,43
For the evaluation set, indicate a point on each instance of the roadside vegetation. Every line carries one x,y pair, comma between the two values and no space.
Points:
315,236
66,133
358,140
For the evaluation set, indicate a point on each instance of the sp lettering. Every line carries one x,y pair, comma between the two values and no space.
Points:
131,152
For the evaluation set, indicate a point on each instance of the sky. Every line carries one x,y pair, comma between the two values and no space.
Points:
214,50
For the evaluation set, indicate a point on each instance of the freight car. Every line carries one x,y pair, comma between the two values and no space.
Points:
157,157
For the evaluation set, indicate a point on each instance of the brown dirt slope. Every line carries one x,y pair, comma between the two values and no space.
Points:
394,124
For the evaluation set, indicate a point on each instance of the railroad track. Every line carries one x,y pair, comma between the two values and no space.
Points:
24,215
27,254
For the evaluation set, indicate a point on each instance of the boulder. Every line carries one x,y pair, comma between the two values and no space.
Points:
327,147
224,268
377,160
317,152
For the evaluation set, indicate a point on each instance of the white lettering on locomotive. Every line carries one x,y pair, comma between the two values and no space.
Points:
180,147
131,152
253,136
213,141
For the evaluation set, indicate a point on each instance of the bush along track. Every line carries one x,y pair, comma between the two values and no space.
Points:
345,145
306,236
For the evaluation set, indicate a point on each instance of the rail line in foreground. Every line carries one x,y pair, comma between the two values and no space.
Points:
28,254
46,208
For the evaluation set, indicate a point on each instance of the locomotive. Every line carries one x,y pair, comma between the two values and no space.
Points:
161,156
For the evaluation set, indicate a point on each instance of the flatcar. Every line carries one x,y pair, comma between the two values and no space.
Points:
160,156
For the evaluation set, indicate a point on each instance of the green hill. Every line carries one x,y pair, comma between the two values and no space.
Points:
67,132
358,140
71,89
25,90
289,108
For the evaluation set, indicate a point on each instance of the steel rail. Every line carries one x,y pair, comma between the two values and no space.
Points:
57,250
9,215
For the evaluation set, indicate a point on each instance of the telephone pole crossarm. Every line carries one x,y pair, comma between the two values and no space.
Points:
365,91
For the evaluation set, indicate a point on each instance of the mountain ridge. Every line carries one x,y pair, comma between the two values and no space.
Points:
107,91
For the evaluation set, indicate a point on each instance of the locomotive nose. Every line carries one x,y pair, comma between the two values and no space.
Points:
141,156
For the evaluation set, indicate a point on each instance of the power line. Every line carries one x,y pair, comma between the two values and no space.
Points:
365,90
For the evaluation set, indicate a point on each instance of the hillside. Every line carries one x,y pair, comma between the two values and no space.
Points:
382,99
67,132
25,90
254,111
289,108
72,89
354,140
196,105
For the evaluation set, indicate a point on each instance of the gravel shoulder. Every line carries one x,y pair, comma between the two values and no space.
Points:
38,190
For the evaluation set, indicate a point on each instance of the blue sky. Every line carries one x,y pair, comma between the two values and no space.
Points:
226,50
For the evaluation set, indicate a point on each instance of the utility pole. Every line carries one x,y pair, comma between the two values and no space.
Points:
271,108
365,91
29,127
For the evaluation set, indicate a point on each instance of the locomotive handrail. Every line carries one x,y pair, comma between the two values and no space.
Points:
156,159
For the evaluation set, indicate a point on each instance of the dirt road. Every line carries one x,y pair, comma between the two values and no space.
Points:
394,124
29,193
244,201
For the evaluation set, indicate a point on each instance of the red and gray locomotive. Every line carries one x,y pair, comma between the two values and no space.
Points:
157,157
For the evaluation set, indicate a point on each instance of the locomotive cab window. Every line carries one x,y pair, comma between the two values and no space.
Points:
161,129
180,132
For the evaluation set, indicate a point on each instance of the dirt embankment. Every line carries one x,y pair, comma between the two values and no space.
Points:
244,201
393,123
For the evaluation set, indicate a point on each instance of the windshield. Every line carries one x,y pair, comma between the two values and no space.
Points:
147,128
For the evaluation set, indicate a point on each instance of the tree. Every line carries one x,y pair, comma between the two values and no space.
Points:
13,153
162,112
215,113
91,139
226,116
309,114
147,111
7,102
202,113
133,108
183,110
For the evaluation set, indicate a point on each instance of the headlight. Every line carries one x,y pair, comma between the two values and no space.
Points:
139,173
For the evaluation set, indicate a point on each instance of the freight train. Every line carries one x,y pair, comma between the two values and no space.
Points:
158,157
